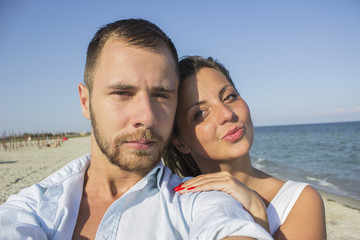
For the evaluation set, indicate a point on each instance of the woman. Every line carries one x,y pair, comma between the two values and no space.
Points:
213,135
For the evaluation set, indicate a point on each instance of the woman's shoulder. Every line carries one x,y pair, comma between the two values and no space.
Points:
307,213
310,197
305,191
301,199
272,186
267,186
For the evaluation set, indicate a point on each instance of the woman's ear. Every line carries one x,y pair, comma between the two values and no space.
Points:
179,145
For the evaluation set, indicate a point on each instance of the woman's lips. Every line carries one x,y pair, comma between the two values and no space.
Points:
234,134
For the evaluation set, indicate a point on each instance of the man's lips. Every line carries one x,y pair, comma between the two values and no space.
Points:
140,143
234,134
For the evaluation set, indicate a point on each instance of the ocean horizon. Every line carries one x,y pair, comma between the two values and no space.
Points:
325,155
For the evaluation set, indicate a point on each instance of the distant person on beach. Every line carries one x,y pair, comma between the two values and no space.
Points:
213,134
122,190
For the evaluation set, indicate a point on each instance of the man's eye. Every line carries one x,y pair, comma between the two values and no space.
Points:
122,93
162,95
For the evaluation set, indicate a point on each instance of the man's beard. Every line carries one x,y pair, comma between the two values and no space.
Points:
133,159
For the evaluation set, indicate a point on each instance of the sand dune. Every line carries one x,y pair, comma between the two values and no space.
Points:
22,168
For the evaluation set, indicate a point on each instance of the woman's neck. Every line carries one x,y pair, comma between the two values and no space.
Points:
240,168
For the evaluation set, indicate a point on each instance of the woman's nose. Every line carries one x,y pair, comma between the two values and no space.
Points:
225,114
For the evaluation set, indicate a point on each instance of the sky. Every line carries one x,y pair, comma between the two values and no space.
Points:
294,62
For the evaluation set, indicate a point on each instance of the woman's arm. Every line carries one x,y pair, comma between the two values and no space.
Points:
225,182
306,219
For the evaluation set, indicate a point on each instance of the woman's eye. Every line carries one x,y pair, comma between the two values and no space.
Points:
231,97
199,115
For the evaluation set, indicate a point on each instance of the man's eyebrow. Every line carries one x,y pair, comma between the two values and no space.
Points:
120,86
163,89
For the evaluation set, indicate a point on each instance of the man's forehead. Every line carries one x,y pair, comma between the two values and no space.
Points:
120,55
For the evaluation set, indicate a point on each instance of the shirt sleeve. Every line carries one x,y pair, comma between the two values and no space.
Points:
18,219
216,215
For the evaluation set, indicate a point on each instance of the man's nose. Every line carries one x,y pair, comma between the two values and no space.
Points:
144,112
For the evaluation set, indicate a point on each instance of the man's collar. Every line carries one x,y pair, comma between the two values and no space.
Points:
157,172
155,175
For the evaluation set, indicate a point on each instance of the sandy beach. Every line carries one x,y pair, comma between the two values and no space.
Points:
22,168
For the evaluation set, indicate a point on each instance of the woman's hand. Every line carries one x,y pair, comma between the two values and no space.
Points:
225,182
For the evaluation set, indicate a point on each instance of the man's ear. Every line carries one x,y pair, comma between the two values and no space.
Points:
179,145
84,100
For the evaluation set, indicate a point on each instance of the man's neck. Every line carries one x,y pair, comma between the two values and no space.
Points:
106,180
104,183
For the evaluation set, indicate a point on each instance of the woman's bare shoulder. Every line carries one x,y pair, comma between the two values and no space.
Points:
310,197
267,186
306,219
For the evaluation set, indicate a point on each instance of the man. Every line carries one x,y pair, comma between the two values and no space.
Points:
122,190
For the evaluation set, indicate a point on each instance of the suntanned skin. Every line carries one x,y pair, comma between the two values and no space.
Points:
306,219
134,90
209,110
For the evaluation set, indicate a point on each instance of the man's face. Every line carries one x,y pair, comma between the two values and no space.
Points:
133,104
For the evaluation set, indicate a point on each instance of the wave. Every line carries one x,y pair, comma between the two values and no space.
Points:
258,166
260,163
260,160
323,183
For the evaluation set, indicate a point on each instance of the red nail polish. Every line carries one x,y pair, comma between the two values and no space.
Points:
175,188
190,188
179,189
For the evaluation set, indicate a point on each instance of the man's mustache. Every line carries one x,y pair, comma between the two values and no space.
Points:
146,135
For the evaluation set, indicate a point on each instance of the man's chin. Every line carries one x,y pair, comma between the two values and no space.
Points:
142,164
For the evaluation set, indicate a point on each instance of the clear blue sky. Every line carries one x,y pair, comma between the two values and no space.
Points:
293,61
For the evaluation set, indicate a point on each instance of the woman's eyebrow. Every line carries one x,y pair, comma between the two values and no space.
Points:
195,104
222,91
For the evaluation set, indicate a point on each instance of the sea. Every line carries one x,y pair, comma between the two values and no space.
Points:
325,155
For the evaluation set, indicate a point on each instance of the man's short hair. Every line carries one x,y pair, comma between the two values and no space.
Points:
135,32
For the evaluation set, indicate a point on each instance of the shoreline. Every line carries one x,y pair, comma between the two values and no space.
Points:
24,167
342,216
346,201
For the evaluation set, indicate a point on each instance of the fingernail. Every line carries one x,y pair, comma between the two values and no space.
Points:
175,188
190,188
179,189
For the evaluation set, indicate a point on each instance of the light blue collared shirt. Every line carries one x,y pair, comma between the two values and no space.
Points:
149,210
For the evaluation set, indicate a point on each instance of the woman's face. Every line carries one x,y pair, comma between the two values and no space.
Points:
213,120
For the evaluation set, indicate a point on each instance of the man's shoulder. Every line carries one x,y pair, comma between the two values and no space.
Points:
29,198
170,181
49,204
209,214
